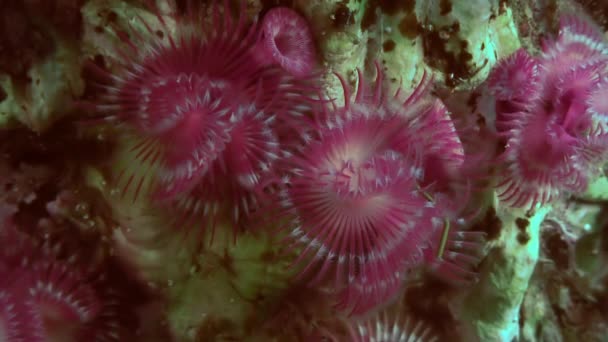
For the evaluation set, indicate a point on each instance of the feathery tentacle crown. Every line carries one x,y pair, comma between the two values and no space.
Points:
19,320
392,325
556,134
354,193
287,40
47,298
206,113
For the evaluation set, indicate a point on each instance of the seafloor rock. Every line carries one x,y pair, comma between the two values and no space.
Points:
463,40
55,83
493,305
41,64
598,190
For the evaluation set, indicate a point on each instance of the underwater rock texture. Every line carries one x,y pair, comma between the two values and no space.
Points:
494,304
174,170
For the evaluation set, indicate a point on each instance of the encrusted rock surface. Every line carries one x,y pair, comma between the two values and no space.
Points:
544,275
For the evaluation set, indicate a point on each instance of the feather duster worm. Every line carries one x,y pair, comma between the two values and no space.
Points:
354,190
206,114
556,141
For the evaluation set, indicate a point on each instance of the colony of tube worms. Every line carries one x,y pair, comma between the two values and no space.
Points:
217,180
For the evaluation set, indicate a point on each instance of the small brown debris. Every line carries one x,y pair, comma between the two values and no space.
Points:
522,224
342,16
388,45
523,237
3,94
490,224
445,7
